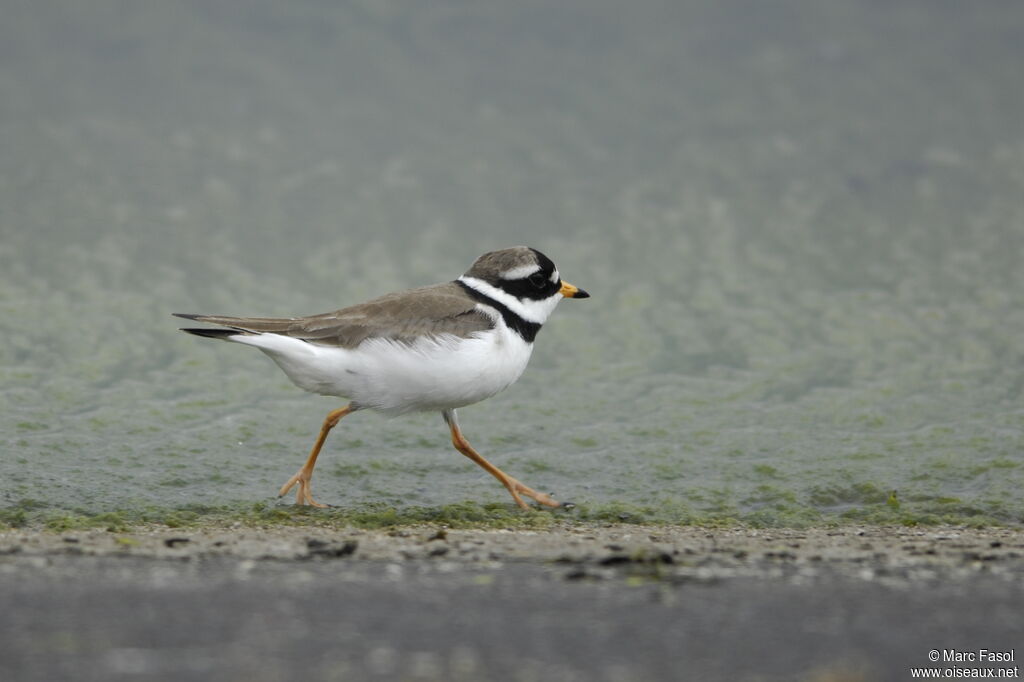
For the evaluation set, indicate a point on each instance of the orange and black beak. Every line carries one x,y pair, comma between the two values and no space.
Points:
569,291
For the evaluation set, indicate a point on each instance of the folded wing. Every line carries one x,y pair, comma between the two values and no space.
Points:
441,309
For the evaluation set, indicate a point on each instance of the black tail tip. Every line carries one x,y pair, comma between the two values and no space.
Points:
212,333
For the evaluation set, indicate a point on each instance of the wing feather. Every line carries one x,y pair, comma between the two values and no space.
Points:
432,311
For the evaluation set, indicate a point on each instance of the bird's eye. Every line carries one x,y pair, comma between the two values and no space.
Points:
538,280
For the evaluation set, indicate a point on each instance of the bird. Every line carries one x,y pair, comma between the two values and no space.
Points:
434,348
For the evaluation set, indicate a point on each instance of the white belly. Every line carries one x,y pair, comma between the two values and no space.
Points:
433,374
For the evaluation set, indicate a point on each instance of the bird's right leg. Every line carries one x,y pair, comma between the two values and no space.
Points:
304,475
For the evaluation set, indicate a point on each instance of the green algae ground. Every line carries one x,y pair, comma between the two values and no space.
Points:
29,514
800,223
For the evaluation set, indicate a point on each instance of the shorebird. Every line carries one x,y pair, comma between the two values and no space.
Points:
437,347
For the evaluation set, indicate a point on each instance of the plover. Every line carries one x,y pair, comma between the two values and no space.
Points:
438,347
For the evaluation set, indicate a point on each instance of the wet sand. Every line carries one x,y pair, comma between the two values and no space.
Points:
891,554
569,603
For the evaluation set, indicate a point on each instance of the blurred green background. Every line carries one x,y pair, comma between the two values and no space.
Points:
801,223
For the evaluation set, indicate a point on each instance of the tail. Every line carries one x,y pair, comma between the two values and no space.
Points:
262,332
223,334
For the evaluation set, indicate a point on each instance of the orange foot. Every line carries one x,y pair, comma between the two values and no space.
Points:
515,487
304,495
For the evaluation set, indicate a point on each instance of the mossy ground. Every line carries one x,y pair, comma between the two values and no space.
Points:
886,511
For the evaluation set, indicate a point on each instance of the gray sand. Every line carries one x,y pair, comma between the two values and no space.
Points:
570,603
892,554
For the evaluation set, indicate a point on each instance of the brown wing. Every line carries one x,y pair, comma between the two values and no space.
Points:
404,316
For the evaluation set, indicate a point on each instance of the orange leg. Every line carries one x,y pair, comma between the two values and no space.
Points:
303,476
513,486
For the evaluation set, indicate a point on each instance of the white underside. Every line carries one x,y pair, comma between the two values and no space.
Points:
436,373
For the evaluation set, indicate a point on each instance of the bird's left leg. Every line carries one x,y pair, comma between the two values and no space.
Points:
513,486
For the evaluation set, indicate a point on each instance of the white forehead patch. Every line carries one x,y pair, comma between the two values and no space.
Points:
555,277
520,272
